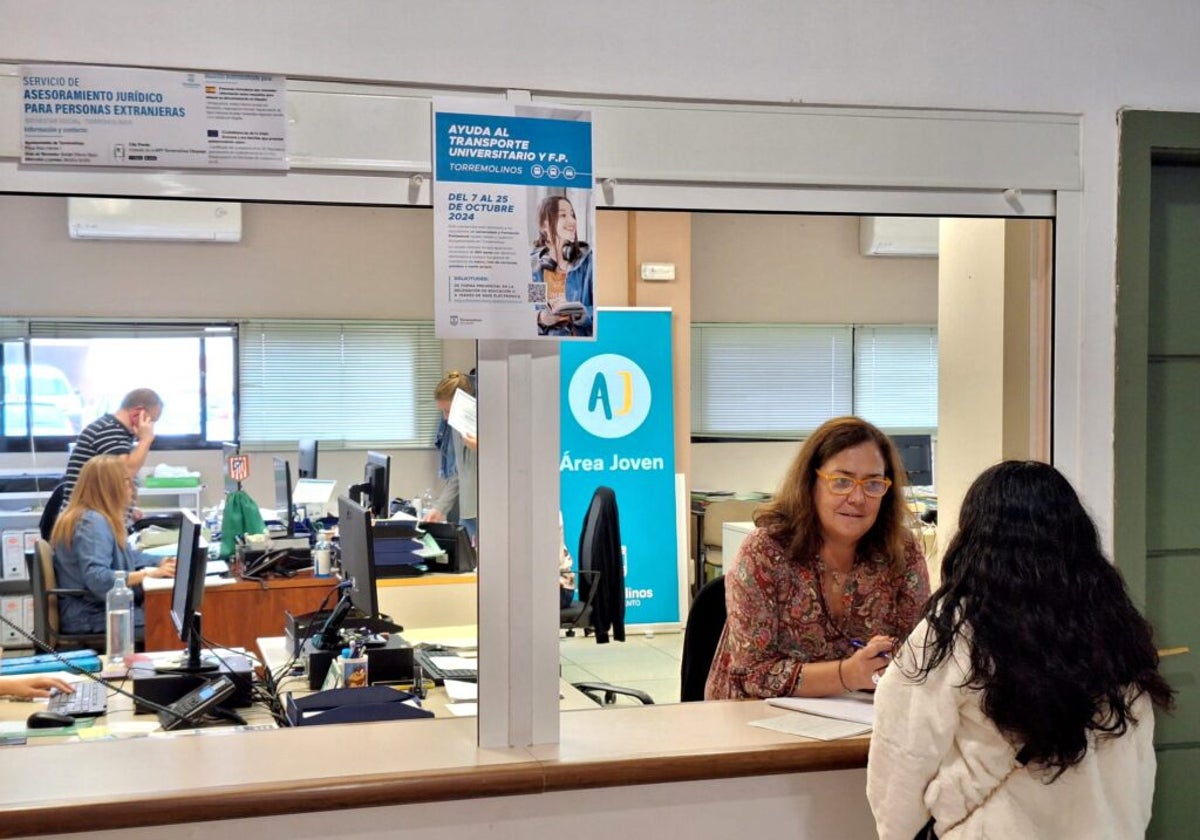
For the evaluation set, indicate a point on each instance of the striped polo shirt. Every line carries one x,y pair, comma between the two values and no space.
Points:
104,436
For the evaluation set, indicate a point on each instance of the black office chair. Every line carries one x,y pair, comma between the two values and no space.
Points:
602,587
44,583
51,510
705,623
578,615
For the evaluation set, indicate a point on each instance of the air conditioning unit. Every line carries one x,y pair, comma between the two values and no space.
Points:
898,236
154,219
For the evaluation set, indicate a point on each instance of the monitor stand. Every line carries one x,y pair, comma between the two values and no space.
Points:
191,662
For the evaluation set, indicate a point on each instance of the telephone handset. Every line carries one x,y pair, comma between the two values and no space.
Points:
197,703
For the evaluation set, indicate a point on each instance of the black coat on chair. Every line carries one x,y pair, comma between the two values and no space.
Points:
600,550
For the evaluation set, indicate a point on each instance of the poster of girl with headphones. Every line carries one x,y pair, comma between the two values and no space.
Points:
563,267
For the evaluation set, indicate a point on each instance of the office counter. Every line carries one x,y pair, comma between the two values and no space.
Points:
305,779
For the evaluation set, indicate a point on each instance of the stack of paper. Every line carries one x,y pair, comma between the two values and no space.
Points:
824,718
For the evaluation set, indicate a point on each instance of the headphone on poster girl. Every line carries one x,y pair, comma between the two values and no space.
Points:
573,252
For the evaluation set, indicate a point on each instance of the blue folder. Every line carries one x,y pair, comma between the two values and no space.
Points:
81,660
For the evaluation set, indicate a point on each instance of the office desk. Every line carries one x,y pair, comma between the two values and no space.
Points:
118,722
238,612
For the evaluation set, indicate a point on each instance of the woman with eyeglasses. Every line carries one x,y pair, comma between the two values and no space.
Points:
829,579
90,545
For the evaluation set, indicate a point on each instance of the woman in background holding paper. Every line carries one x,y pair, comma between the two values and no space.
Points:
831,576
1022,704
455,396
90,545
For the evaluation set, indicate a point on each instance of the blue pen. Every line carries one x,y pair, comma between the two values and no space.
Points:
859,644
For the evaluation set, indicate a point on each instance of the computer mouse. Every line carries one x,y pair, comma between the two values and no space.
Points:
48,720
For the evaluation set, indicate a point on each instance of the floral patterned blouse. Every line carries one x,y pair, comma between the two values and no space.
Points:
778,619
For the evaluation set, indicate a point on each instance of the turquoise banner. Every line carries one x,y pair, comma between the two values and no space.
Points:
618,430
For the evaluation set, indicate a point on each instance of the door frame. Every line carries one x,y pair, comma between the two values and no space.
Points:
1146,138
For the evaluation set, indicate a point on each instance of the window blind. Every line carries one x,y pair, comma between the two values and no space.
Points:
896,377
360,384
769,380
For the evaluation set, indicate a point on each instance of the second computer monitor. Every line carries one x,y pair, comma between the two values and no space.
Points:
283,494
188,597
357,542
377,477
916,451
306,458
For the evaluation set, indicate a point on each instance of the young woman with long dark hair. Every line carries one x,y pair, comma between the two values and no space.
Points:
1022,704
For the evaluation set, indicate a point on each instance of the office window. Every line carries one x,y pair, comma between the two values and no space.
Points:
361,383
769,380
896,377
59,375
781,381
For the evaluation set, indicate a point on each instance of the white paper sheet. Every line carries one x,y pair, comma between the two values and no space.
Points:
812,726
462,413
463,709
839,708
460,690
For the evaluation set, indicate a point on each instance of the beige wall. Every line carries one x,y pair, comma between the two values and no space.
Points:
753,268
294,261
992,335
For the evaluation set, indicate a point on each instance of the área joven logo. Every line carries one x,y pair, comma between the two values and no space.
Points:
609,396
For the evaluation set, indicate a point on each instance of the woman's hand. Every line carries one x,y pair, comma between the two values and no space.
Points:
471,441
34,685
863,669
166,568
548,319
433,515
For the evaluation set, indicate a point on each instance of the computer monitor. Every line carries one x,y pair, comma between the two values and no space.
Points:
357,541
306,459
187,598
284,508
916,451
377,477
228,450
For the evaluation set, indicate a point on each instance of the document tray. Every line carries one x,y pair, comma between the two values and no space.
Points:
351,705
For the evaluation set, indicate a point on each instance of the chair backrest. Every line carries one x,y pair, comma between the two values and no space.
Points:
705,623
51,510
726,510
45,603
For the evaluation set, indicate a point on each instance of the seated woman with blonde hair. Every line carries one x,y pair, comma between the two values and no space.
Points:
90,545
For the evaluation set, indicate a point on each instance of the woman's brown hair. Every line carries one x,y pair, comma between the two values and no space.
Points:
791,517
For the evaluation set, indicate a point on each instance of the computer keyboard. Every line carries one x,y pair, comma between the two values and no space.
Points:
423,657
89,700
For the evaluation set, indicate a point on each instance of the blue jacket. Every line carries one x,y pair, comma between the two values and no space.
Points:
90,564
578,288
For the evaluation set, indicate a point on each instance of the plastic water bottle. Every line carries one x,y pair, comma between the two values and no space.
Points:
322,555
119,609
426,503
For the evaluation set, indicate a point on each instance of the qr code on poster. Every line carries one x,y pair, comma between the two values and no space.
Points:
537,292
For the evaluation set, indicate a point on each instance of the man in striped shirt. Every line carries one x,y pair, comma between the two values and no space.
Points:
128,431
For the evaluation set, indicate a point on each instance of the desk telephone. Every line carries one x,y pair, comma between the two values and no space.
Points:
199,702
282,561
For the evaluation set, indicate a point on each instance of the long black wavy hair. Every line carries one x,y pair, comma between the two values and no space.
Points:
1058,649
